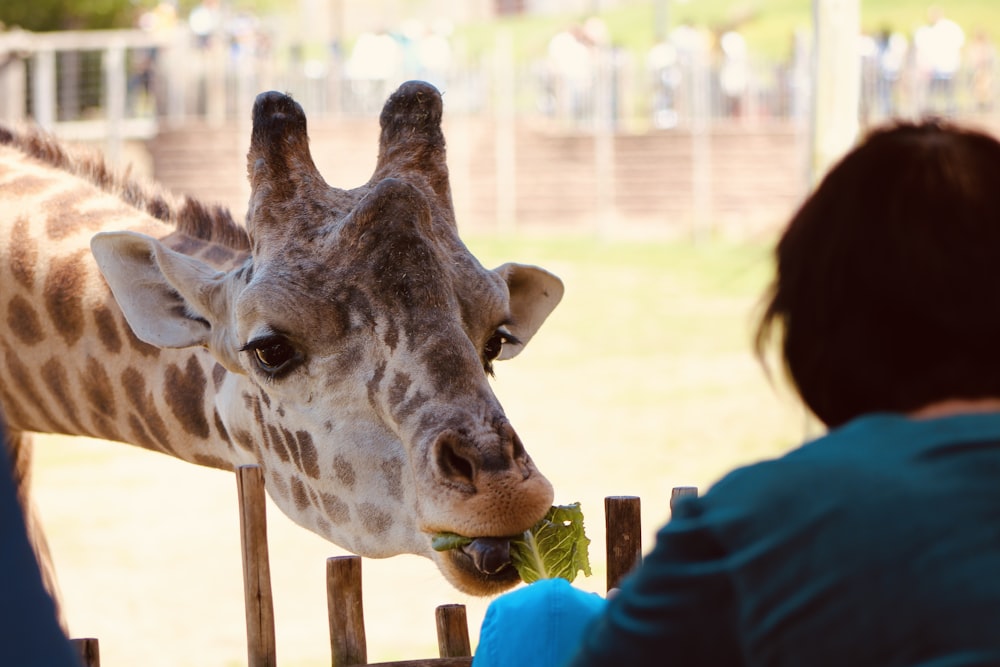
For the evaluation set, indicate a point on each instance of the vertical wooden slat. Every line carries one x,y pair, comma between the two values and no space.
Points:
88,650
256,567
622,516
346,613
452,631
679,492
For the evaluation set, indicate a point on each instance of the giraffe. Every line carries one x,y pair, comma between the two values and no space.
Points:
342,339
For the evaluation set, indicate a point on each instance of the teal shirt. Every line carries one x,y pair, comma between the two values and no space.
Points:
877,545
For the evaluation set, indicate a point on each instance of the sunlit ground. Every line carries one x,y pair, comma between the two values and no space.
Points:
643,379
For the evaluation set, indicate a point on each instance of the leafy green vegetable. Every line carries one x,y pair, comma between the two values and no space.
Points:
556,546
446,541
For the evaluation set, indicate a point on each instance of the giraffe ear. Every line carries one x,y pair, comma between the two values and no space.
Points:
534,294
165,296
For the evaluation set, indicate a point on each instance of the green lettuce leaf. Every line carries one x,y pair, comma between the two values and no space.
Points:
556,546
446,541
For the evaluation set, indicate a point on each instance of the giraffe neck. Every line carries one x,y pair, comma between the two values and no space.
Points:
69,362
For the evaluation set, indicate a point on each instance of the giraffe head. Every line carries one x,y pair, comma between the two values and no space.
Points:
354,345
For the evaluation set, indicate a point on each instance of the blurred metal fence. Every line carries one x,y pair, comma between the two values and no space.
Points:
122,83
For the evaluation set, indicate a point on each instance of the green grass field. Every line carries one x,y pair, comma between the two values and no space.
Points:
644,376
642,379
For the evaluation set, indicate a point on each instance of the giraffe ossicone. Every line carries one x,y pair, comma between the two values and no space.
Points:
343,340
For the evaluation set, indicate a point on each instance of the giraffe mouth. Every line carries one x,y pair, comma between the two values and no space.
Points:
486,562
489,555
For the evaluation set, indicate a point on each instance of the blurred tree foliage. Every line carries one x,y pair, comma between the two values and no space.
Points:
41,15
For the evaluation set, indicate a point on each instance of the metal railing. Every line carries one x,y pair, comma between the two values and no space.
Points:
118,85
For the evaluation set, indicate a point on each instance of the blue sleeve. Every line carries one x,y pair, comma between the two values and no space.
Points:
678,608
538,625
29,632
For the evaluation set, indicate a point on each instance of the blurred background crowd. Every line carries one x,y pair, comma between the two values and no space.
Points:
344,57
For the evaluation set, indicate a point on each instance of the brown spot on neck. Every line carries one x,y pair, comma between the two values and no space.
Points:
64,217
63,293
141,400
376,521
22,254
218,375
344,471
307,458
336,509
54,376
392,473
107,329
184,392
23,321
299,494
20,381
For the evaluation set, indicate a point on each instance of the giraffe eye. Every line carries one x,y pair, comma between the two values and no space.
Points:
275,355
494,346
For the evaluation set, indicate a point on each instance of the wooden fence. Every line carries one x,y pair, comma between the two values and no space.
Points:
348,643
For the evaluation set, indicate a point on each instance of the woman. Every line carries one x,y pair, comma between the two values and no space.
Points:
878,543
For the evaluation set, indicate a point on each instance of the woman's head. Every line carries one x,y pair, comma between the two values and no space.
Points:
887,292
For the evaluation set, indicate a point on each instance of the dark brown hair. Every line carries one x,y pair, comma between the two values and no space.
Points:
887,290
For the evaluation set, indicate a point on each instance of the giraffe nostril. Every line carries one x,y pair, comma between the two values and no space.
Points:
454,459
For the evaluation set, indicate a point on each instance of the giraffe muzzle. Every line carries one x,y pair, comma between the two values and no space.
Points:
490,555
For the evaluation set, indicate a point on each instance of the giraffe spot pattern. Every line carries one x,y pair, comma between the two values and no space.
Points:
187,245
23,321
142,402
220,428
218,375
27,185
64,217
63,293
299,494
274,442
300,444
212,461
374,382
376,521
218,254
391,337
22,252
15,414
278,485
243,439
140,435
142,347
184,392
344,471
53,374
336,509
107,329
100,396
397,390
392,473
20,379
97,388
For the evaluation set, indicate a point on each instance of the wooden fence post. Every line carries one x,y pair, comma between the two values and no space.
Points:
348,645
452,631
622,517
679,492
88,650
256,567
